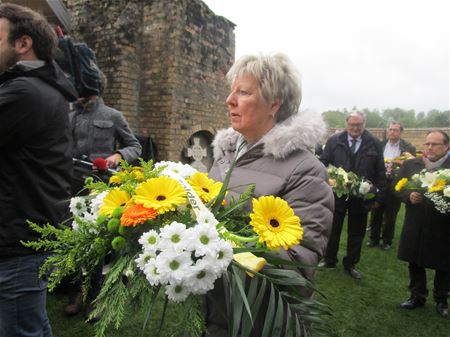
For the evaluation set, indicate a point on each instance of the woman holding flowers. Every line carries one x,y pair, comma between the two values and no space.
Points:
425,239
271,145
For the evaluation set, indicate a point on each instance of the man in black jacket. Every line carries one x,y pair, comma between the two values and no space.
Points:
36,164
356,150
425,238
394,146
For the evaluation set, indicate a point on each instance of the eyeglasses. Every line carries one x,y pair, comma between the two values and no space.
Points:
355,125
432,144
397,130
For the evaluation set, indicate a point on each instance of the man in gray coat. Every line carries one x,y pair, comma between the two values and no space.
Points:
99,131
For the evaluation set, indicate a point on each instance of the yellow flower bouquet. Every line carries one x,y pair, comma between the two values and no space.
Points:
172,235
435,186
393,165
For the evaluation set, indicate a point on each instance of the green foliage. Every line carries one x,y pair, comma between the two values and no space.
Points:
334,119
285,312
72,251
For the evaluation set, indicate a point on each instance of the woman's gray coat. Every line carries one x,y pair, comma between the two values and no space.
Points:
282,164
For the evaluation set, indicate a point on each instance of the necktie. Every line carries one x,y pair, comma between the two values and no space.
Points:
353,146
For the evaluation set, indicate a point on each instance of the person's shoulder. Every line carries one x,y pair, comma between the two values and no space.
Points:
102,107
336,137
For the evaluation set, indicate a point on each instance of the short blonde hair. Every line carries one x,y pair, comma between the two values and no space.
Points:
277,77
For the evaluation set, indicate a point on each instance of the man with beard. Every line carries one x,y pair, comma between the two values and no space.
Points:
36,164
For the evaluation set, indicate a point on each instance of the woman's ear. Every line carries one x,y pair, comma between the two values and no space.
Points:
275,106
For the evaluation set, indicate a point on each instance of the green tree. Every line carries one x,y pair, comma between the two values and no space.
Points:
373,119
334,118
406,117
436,118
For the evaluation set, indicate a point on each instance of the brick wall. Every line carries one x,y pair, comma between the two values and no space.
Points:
165,61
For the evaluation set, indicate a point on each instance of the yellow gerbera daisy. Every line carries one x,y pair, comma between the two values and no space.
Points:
275,222
401,183
115,198
163,194
437,186
206,188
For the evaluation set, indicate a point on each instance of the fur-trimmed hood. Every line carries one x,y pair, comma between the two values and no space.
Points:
299,132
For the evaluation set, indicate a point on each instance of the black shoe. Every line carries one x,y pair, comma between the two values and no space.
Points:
386,246
442,309
412,303
353,272
371,244
325,264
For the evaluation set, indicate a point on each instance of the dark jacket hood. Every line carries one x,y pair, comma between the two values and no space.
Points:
50,73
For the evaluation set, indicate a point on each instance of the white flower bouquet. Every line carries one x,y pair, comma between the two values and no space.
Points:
434,185
173,235
349,184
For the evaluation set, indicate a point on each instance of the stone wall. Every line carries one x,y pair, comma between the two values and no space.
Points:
165,61
414,136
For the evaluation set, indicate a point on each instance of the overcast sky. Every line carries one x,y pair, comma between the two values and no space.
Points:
370,54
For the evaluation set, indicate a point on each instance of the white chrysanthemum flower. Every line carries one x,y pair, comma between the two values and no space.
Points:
151,272
143,259
206,217
97,202
428,179
183,170
149,240
89,217
78,206
203,240
177,292
364,188
173,266
173,236
202,277
222,258
446,192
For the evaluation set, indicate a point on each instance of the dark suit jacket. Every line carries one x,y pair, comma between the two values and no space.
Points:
368,161
404,146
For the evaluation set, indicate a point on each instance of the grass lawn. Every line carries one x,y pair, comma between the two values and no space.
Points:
364,308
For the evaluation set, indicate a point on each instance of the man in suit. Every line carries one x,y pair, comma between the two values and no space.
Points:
425,238
354,149
394,146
